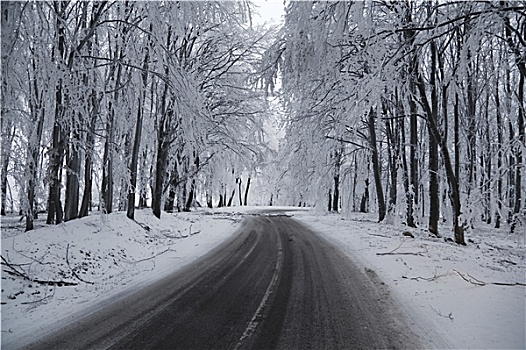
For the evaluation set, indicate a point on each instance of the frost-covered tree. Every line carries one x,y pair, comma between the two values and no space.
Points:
402,85
110,101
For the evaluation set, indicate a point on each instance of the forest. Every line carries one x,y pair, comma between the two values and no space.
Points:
405,108
112,105
413,110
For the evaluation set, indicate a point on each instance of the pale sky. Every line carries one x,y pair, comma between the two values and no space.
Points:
269,10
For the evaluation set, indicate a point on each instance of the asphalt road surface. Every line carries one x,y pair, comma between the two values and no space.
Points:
275,284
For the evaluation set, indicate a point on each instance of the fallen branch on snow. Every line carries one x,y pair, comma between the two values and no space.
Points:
509,284
428,279
393,252
378,235
149,258
478,282
14,272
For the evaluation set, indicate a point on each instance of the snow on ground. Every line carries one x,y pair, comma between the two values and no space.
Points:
447,286
438,282
102,255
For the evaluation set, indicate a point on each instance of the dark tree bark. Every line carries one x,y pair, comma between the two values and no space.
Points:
518,154
376,165
191,197
364,203
56,154
336,197
454,194
209,202
499,157
410,221
107,168
172,193
107,160
55,213
130,213
163,146
71,205
413,108
246,191
238,181
231,197
161,160
88,161
471,126
393,150
221,201
434,190
456,115
485,163
38,114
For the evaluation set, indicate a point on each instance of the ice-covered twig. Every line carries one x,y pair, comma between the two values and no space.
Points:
393,252
149,258
478,282
450,316
473,280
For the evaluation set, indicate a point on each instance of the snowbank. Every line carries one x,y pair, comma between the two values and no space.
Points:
465,294
459,291
79,263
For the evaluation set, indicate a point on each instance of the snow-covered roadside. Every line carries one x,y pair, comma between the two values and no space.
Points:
425,274
440,280
102,255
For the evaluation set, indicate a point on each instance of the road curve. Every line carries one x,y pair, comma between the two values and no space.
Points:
275,285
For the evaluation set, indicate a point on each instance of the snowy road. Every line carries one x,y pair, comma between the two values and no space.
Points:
275,284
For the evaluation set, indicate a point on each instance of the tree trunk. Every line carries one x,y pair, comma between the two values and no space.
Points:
454,194
162,155
336,197
38,114
246,191
410,221
130,213
55,212
393,150
499,157
518,155
170,202
329,204
10,130
376,166
191,197
107,168
240,192
231,197
209,202
57,151
71,207
413,108
88,161
434,190
364,203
